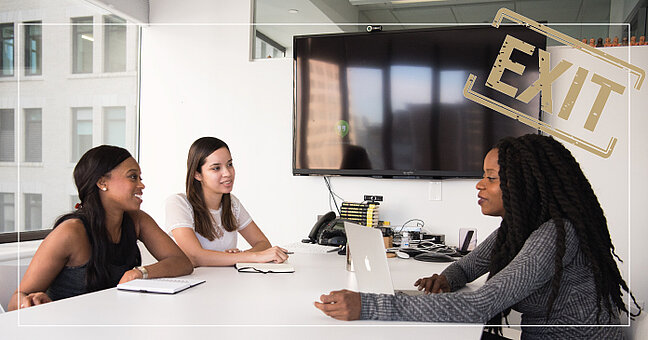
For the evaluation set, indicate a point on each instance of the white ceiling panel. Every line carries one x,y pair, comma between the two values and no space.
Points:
595,11
480,13
442,11
551,11
425,15
379,16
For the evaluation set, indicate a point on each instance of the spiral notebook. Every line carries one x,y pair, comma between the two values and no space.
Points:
161,286
264,268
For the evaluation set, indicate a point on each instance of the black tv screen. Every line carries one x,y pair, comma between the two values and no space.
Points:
391,103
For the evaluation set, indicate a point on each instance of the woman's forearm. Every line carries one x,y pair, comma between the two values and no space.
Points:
260,246
170,267
206,257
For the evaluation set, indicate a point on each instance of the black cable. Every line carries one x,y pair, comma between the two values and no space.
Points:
420,223
332,195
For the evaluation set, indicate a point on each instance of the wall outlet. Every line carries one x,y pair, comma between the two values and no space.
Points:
434,191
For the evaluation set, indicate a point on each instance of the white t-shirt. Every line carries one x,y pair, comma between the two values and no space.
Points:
179,214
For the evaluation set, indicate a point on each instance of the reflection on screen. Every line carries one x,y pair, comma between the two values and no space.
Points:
398,97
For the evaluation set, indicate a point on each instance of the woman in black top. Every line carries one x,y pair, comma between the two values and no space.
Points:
95,247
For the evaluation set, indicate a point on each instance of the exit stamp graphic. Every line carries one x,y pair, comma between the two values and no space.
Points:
583,136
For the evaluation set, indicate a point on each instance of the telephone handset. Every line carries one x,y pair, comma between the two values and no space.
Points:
327,231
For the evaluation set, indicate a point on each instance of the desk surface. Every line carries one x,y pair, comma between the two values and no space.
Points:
271,304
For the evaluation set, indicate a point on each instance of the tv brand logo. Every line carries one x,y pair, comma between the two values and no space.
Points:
545,80
342,128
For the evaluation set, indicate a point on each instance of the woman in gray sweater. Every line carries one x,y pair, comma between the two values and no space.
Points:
551,259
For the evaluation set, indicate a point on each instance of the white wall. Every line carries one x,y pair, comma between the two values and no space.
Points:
197,81
198,89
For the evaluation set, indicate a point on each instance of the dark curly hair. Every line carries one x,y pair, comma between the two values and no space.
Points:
541,181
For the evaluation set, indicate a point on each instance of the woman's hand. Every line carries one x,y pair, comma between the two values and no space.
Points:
33,299
233,250
342,305
433,284
274,254
131,275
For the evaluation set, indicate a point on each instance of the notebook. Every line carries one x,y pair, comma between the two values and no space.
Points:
264,268
369,260
162,286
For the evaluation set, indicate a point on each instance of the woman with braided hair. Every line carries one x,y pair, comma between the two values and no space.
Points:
551,259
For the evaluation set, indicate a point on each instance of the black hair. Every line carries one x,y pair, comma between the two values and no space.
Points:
94,164
541,181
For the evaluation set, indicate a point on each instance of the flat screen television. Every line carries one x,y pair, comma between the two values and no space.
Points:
390,104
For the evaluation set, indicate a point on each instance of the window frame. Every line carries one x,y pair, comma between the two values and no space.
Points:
13,50
111,21
18,68
27,48
75,155
264,38
25,128
78,22
13,137
28,198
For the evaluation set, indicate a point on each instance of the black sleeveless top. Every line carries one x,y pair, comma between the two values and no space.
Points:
71,281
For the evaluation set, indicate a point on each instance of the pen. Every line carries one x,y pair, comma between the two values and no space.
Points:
288,252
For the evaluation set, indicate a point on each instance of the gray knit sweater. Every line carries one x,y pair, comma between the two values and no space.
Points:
524,285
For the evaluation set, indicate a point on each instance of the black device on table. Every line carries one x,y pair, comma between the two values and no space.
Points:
328,231
464,247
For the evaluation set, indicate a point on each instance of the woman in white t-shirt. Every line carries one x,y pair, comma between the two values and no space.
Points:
205,221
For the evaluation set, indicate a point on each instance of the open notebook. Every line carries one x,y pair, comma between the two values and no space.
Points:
162,286
264,268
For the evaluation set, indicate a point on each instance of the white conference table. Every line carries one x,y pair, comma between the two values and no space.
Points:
229,303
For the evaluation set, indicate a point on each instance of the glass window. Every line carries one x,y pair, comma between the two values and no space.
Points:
74,199
7,135
82,43
114,44
264,47
33,135
7,60
33,48
7,219
59,118
82,131
33,212
115,126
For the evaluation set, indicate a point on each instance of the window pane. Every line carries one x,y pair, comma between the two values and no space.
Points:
115,126
6,135
33,135
74,199
33,212
114,44
7,218
7,60
53,118
82,131
264,47
33,49
83,39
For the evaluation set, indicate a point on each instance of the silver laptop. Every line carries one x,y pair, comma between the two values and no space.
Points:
369,260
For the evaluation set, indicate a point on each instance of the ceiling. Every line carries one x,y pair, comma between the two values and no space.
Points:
274,18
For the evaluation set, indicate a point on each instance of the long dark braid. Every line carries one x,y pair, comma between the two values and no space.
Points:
540,181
